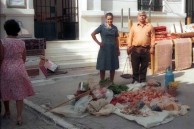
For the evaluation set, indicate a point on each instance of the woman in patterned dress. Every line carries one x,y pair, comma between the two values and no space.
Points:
15,82
109,48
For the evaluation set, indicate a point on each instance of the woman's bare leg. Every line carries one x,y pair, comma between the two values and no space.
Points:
112,74
19,107
102,74
7,110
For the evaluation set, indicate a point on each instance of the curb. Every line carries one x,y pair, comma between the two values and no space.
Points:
60,77
51,116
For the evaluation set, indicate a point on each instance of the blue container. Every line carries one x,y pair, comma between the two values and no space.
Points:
169,76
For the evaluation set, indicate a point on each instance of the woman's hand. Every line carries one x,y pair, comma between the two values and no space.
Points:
96,40
101,44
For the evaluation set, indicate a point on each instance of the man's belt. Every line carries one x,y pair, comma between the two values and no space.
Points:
146,47
140,49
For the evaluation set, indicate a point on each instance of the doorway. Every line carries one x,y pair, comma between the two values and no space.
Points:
56,19
190,9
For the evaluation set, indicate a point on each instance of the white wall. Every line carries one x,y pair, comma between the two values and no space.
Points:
90,18
116,5
25,15
173,7
91,14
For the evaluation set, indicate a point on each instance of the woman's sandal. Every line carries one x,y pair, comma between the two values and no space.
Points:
19,123
6,116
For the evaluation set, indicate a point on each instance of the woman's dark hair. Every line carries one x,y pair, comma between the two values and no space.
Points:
12,27
108,14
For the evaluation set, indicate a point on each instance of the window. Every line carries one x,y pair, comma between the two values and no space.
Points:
156,5
16,3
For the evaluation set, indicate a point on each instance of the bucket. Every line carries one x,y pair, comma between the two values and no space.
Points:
83,86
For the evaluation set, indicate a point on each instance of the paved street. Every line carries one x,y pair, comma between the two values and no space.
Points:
54,90
32,120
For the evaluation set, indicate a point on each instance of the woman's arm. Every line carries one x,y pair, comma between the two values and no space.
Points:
95,39
24,51
117,46
1,53
24,55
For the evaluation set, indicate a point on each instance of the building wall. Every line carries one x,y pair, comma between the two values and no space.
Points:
25,15
92,14
117,4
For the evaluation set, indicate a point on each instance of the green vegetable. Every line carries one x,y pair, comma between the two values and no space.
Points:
117,89
104,81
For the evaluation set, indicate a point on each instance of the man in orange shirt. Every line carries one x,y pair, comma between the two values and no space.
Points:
140,46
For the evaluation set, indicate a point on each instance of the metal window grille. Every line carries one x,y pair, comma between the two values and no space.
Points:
156,5
56,19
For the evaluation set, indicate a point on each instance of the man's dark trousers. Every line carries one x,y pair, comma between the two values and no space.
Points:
140,57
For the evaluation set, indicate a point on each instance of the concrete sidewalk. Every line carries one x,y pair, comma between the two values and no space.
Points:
31,120
54,90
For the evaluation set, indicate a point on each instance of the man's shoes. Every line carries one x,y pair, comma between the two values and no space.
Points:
134,82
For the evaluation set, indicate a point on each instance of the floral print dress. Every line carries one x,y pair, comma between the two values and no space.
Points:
14,83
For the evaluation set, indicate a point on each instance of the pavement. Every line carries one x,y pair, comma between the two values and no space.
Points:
54,90
32,120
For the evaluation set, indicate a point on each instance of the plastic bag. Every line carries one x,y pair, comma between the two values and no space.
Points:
109,95
81,104
68,111
95,106
106,110
99,93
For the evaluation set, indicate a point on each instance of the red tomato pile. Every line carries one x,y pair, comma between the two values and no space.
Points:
146,95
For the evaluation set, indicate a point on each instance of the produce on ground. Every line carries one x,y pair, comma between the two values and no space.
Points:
117,89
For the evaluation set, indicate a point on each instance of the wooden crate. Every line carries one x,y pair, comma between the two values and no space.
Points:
33,71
